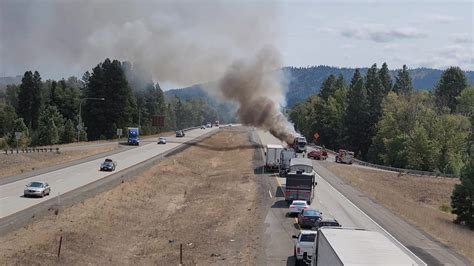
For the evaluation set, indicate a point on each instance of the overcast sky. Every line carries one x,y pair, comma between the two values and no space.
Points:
60,39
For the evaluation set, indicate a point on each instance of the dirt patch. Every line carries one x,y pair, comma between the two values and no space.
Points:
206,200
423,201
14,164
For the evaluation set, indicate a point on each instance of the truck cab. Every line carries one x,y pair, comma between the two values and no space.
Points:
299,144
133,136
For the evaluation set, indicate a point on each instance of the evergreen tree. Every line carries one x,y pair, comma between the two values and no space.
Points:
340,83
7,117
356,116
69,133
403,82
452,82
11,95
375,95
108,81
19,126
50,126
462,199
29,98
328,87
385,78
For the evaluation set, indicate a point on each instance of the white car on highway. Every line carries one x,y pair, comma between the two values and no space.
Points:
37,188
162,140
297,206
304,245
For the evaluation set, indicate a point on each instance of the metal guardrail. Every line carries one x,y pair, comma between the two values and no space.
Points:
393,169
30,150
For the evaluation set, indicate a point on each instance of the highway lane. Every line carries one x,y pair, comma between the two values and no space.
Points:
70,178
330,202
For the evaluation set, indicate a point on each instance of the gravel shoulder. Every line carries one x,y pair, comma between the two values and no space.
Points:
203,198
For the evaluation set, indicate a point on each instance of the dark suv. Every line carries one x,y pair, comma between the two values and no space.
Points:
180,134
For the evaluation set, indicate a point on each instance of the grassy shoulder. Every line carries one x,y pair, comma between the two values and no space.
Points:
201,198
423,201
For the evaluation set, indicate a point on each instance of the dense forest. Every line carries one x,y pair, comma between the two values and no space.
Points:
306,81
47,112
387,122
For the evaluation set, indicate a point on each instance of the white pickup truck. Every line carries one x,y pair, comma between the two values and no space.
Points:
304,245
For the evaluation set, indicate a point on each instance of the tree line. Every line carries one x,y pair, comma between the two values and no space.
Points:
387,122
47,112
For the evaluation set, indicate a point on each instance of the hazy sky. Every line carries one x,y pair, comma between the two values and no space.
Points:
64,38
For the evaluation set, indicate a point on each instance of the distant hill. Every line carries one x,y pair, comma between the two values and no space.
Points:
305,82
225,110
4,81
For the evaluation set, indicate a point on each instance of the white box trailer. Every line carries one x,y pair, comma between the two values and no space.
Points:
346,246
272,157
301,164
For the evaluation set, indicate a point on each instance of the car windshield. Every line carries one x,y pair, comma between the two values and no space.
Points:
35,184
308,237
311,213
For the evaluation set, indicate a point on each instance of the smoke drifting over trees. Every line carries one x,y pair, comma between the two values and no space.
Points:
181,43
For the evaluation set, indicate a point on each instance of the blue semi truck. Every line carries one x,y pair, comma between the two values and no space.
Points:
133,135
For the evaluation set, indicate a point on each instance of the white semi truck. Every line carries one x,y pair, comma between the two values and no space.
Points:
272,157
347,246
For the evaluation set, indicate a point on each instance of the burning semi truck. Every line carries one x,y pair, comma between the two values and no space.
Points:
299,144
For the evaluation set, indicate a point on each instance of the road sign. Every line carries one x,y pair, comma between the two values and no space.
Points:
158,121
18,135
316,136
119,132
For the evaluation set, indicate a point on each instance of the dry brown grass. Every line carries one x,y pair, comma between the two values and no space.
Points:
419,200
14,164
200,198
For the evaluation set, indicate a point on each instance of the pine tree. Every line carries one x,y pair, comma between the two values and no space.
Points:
328,87
69,133
375,95
19,126
50,126
29,98
357,116
403,83
462,199
340,83
385,78
452,82
108,81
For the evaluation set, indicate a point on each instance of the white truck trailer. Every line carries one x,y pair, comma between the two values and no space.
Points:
346,246
272,157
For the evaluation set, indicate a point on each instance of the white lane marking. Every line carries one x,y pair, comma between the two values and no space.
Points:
396,240
59,180
3,198
269,193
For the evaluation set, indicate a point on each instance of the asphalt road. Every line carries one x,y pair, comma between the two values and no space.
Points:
352,209
70,178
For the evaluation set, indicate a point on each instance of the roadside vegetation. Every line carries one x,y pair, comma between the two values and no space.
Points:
422,201
47,112
387,122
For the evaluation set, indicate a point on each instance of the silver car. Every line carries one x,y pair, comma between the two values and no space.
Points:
37,189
